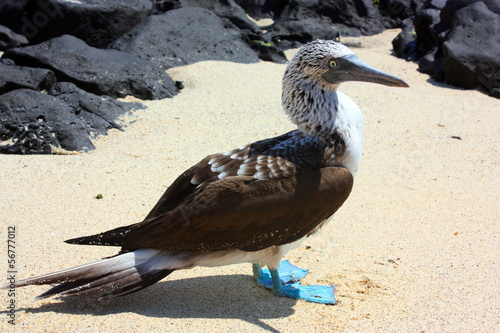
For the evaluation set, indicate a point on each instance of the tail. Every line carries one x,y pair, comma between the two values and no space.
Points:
116,276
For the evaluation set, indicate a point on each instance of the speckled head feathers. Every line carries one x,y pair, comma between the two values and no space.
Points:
311,60
307,98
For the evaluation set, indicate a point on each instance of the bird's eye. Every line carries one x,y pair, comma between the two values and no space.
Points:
332,63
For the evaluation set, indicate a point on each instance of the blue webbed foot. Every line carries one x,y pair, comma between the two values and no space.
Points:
315,293
285,281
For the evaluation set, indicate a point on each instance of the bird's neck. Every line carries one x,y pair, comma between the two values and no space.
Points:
312,108
329,115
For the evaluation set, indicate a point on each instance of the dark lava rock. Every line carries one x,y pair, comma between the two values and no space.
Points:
359,16
266,49
425,28
9,39
417,36
98,113
396,11
427,63
404,44
103,72
223,8
16,77
457,42
452,6
96,22
33,123
472,51
185,36
392,12
12,13
259,9
305,20
295,33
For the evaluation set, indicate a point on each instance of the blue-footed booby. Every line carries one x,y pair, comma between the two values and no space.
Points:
252,204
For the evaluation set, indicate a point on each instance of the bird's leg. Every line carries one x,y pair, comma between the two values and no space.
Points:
257,270
259,275
288,274
316,293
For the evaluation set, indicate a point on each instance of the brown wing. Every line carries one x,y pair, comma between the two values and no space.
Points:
244,213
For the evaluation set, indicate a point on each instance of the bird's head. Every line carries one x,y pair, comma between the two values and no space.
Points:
328,64
311,80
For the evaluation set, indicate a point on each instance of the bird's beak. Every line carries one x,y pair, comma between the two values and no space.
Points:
351,68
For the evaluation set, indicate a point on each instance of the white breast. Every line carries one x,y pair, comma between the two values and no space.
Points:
349,123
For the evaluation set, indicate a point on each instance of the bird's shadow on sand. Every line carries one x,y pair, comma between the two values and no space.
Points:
223,296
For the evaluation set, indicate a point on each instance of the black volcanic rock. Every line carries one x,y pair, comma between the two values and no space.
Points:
289,34
103,72
404,44
33,123
358,17
98,113
9,39
96,22
419,34
184,36
12,14
472,50
452,6
425,28
259,9
266,49
222,8
16,77
427,63
396,11
302,21
457,41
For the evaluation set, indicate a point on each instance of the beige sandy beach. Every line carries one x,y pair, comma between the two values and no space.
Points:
415,248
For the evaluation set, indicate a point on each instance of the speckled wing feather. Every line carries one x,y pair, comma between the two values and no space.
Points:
271,192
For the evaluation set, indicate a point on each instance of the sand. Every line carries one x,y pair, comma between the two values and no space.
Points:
415,247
